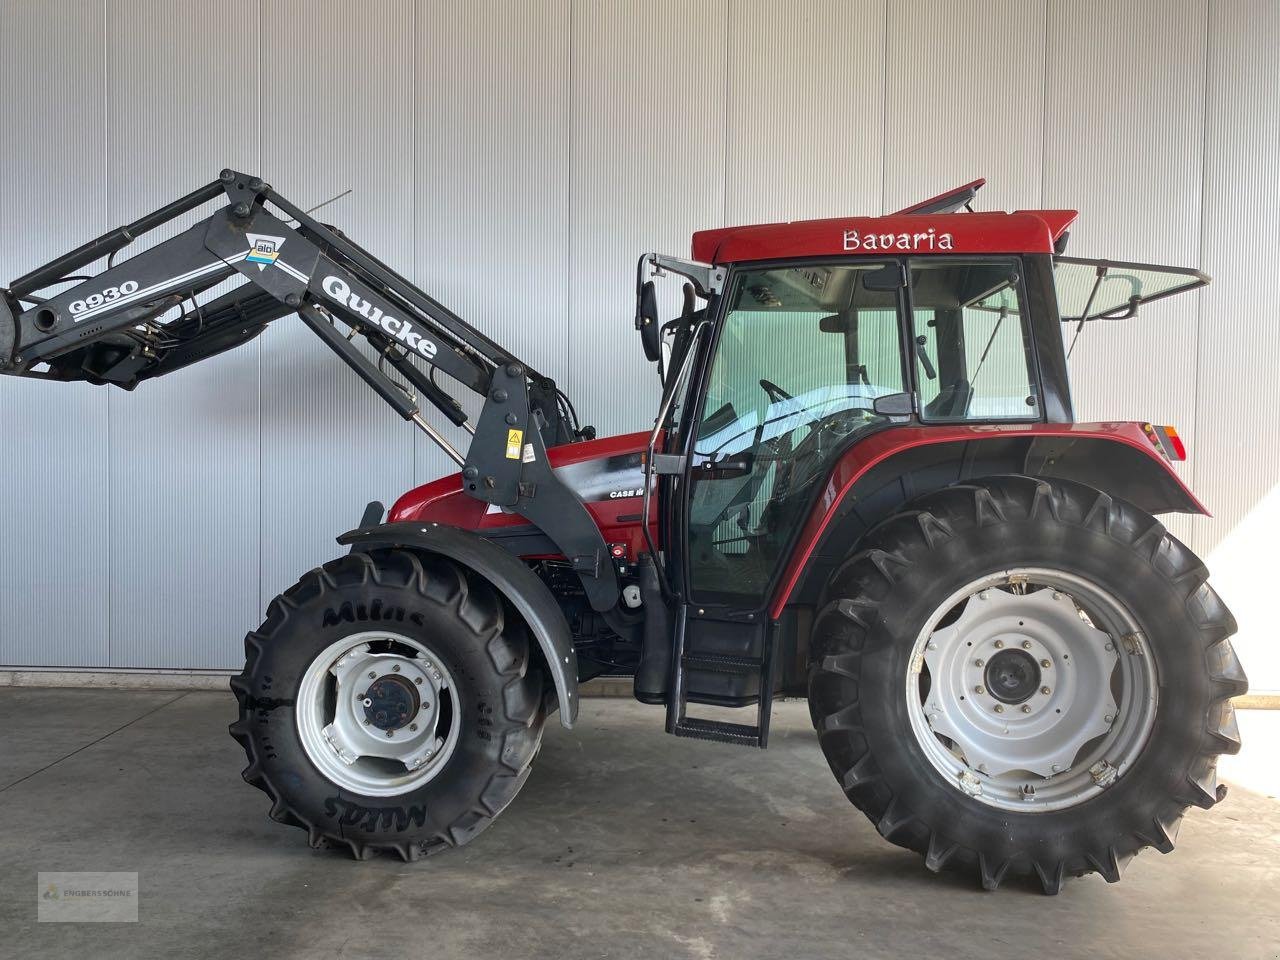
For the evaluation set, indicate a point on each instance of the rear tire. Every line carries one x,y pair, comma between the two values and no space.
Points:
473,677
887,599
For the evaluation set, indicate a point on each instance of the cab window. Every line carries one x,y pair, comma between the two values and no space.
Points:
972,348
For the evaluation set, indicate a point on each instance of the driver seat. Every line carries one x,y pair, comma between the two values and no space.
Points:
951,403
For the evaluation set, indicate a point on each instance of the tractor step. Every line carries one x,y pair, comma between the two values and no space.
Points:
723,663
745,734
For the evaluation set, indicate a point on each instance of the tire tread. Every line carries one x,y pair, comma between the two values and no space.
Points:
850,609
474,603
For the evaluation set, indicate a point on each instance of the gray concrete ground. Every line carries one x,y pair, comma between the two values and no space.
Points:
624,843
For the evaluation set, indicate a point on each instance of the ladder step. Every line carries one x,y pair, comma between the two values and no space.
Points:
740,733
721,662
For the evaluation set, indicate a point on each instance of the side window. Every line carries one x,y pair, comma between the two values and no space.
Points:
803,354
973,349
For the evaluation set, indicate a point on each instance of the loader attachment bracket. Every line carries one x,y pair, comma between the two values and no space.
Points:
507,466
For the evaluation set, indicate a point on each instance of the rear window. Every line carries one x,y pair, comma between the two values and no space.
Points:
1113,290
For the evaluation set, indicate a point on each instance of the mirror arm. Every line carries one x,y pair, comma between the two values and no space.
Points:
707,279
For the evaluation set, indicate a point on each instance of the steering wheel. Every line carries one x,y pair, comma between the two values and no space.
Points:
775,392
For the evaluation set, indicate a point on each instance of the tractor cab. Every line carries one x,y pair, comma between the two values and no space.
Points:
797,342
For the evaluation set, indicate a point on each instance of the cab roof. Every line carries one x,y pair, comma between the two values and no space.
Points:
929,227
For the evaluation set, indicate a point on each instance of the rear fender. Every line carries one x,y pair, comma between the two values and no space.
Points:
880,473
508,575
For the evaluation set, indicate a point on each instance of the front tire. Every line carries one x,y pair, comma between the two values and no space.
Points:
972,767
389,703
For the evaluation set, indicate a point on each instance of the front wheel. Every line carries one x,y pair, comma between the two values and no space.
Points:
1021,676
389,703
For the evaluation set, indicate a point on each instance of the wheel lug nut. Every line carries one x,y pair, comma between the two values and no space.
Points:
1026,644
979,662
999,709
372,675
1026,708
1045,690
395,667
390,733
1046,664
979,689
366,723
1108,718
999,644
418,680
413,726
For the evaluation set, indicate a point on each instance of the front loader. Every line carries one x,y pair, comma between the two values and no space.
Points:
864,484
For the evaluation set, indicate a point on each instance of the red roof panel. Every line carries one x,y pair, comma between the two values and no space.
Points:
1024,231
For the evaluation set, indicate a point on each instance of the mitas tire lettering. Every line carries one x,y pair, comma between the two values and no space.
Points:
348,813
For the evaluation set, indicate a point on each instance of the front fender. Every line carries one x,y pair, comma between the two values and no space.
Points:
508,575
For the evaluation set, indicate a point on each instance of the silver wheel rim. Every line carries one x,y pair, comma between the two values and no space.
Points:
1031,690
377,713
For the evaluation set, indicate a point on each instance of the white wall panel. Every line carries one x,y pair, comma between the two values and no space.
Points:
339,115
1238,437
646,169
1124,126
184,448
492,180
805,110
54,569
964,99
515,159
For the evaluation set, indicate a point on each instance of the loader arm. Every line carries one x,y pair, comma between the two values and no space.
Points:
142,318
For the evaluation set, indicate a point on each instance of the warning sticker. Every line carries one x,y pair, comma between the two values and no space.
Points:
528,453
515,440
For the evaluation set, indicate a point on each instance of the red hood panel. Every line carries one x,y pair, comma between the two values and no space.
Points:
607,473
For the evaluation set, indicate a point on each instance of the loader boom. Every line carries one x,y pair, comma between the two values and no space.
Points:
141,318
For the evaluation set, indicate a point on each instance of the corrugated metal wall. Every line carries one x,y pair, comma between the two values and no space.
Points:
515,159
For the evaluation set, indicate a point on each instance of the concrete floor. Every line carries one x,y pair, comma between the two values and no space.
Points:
624,843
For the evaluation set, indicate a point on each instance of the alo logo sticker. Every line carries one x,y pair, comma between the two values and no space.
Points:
263,250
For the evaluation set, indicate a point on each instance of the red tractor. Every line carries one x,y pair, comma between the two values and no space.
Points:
864,485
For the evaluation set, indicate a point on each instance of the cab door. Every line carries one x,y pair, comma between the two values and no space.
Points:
802,354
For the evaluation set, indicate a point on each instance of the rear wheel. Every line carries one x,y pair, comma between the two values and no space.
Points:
388,703
1019,676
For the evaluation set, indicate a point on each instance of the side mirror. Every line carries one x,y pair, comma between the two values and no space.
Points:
647,321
